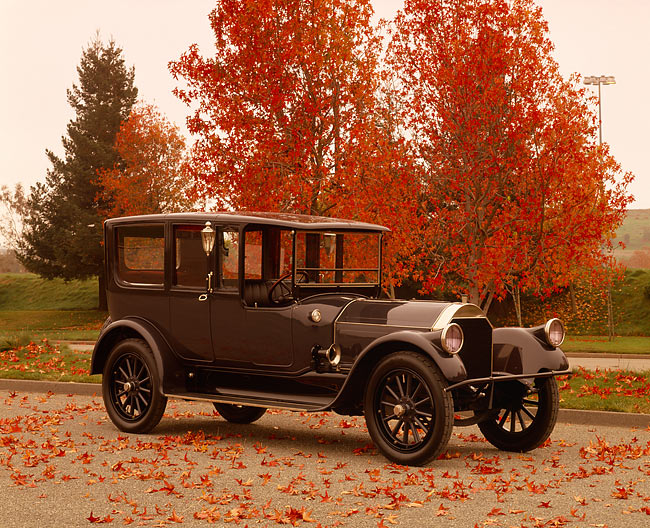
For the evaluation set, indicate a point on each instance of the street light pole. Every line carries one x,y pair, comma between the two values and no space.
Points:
593,80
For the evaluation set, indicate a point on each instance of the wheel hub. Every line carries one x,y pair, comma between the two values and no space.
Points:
128,386
399,410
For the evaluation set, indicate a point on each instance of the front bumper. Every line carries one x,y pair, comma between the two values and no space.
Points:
496,378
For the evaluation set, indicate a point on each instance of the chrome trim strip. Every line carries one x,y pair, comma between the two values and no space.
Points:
336,319
458,311
426,328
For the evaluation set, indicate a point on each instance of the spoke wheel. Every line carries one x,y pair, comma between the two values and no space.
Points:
241,414
131,387
409,415
525,422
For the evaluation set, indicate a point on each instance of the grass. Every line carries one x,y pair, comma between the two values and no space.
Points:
43,361
26,291
600,344
50,324
609,390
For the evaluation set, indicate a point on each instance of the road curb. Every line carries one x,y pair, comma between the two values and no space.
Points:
572,416
57,387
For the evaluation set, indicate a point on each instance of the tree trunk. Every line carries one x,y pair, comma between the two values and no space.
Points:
103,303
516,295
574,302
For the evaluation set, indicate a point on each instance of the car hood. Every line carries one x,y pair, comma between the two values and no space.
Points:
409,314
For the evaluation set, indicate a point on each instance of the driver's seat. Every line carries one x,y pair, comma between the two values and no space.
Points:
256,293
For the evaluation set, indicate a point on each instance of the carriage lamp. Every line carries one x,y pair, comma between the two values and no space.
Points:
208,236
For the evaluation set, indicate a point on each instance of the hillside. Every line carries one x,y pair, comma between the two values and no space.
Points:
26,291
635,234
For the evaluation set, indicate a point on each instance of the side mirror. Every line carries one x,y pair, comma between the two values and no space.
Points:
208,236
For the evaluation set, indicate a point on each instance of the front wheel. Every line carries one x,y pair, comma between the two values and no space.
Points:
131,387
241,414
526,420
408,412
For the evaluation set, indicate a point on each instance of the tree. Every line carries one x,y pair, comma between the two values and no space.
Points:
513,176
149,177
281,103
13,208
62,229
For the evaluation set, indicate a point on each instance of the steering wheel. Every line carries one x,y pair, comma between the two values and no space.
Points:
284,287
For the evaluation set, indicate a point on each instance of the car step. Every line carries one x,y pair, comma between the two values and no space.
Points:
307,403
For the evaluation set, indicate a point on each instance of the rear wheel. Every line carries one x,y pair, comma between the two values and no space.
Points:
408,412
241,414
526,419
131,387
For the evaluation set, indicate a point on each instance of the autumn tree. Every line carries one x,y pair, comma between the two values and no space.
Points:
149,177
280,100
63,229
522,193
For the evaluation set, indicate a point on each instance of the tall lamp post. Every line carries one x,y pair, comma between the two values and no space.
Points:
600,80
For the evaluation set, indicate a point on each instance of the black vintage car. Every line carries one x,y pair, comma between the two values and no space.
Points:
259,310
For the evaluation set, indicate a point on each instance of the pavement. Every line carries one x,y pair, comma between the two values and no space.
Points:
63,463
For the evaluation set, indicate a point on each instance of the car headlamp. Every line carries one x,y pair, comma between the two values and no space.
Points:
554,332
452,338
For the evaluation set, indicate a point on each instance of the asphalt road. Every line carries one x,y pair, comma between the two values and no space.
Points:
62,463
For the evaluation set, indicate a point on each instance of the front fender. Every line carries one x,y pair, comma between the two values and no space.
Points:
351,392
169,369
519,351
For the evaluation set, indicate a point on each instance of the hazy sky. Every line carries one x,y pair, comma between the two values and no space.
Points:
41,43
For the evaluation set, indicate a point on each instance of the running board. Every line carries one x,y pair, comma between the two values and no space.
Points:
307,403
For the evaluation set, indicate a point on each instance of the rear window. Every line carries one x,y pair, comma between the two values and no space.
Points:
141,254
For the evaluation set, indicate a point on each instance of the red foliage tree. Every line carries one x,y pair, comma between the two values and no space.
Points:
279,105
150,177
523,195
288,117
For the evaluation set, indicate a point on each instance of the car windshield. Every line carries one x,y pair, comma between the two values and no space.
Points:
338,257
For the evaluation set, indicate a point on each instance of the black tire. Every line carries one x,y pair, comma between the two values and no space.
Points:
239,414
131,387
527,421
408,413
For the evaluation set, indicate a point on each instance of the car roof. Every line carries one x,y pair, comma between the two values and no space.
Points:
289,220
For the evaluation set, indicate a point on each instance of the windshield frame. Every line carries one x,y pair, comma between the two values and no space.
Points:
336,285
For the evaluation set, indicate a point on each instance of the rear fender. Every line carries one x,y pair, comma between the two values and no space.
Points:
169,369
451,366
521,351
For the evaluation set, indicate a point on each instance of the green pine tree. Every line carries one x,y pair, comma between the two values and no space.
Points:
62,228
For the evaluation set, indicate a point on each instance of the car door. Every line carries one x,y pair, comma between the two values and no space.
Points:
189,316
248,334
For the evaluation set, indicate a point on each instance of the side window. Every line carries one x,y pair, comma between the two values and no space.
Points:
253,255
190,263
141,254
229,259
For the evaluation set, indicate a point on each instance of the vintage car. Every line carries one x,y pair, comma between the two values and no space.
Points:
257,310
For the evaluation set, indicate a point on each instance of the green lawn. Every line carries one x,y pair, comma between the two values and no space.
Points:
600,344
26,291
620,391
44,361
19,327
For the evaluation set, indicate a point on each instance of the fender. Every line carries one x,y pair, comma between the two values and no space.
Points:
452,367
170,370
522,351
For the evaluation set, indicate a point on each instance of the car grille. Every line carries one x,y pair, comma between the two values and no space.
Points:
477,347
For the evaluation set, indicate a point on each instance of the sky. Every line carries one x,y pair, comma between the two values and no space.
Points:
41,43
